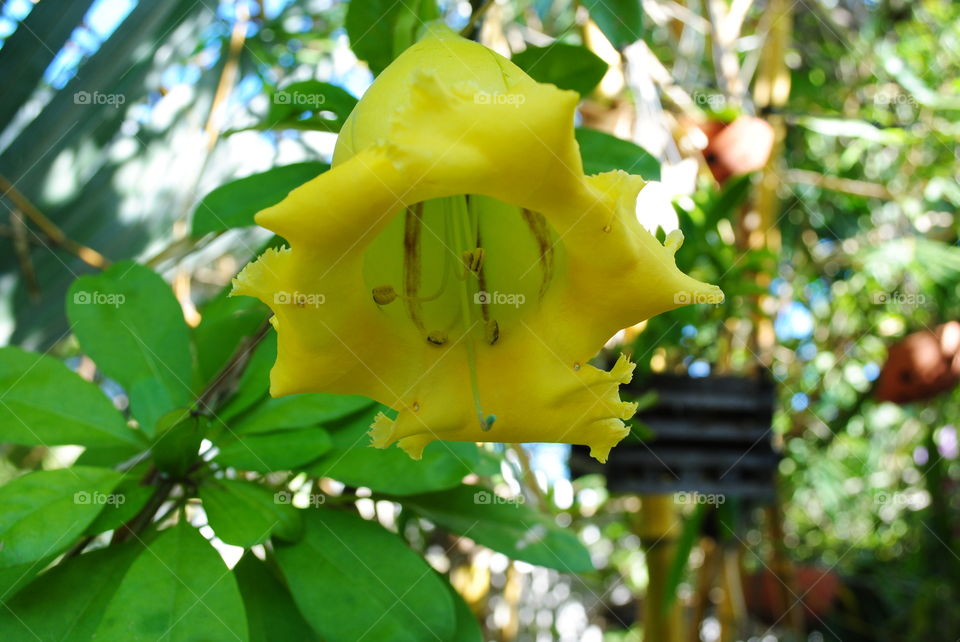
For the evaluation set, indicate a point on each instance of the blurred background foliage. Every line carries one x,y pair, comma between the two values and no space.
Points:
126,126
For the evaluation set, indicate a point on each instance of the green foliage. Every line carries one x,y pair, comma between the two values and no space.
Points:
271,612
233,205
226,323
566,66
131,325
508,526
310,105
296,411
77,414
81,587
245,514
179,434
265,452
43,512
602,152
467,628
344,564
380,30
621,21
178,588
352,461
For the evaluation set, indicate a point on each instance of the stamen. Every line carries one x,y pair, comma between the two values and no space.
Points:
437,338
461,215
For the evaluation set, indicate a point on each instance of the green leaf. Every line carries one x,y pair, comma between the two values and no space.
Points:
243,513
109,456
468,628
271,613
234,204
80,588
410,20
44,403
129,498
177,589
354,462
309,104
267,452
298,411
726,202
16,577
380,30
566,66
507,526
602,152
255,380
345,566
177,446
43,512
621,21
225,323
131,325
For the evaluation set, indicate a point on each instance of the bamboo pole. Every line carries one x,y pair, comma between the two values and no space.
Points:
771,93
658,525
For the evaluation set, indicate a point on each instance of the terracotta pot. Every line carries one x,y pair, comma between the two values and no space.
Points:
818,588
740,147
921,365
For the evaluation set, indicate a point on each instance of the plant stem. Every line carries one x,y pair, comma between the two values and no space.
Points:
49,228
145,517
467,31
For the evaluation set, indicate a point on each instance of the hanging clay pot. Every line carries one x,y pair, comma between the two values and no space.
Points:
740,147
817,589
921,365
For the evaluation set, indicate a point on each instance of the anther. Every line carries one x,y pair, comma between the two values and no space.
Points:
487,424
492,331
437,338
384,294
473,259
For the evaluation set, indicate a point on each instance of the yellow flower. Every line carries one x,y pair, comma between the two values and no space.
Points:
456,265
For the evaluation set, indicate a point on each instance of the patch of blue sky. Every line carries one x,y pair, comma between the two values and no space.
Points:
64,66
549,459
101,20
794,321
104,16
179,75
7,27
17,10
799,401
273,8
807,351
698,369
